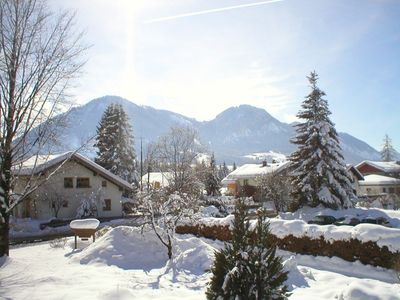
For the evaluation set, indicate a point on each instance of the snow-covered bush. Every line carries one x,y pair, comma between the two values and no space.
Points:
88,206
58,243
163,211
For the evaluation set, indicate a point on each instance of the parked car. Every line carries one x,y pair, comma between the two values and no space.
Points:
54,223
347,220
379,221
322,220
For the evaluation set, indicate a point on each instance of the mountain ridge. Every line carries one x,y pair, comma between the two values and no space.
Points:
235,132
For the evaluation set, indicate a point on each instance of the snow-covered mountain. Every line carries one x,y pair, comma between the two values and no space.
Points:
233,134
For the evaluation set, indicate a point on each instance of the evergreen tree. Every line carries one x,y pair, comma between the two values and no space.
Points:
223,171
248,267
115,143
212,181
234,166
387,153
319,174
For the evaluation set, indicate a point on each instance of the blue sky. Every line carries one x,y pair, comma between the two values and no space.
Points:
197,58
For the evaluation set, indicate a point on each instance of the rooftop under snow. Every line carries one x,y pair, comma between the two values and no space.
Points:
254,170
385,166
378,180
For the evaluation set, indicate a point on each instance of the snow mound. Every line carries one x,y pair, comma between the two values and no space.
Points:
118,293
193,255
127,248
296,278
361,290
84,224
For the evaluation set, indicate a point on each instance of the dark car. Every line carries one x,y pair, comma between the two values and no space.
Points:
322,220
379,221
54,223
347,220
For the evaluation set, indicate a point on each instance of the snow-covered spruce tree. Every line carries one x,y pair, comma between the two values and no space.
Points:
248,268
115,144
387,153
319,174
223,171
212,181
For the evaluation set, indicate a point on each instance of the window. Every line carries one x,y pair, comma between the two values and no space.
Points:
384,190
82,182
245,182
65,203
391,190
104,183
107,204
68,182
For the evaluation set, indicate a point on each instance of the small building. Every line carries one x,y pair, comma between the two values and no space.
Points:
245,179
156,180
384,168
74,178
377,185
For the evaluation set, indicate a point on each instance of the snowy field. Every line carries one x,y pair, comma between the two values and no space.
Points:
123,264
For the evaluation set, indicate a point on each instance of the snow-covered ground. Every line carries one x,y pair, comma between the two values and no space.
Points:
123,264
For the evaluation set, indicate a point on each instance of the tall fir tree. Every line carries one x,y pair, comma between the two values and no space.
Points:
387,152
319,174
248,267
223,171
212,181
115,143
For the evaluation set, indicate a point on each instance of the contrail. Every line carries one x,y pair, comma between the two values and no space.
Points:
208,11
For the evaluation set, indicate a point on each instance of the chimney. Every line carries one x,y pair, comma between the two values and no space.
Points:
264,163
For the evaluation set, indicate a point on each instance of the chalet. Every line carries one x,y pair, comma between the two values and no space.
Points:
74,178
245,179
384,168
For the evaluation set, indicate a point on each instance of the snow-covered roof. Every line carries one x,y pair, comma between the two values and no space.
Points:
254,170
384,166
40,163
161,177
374,179
351,168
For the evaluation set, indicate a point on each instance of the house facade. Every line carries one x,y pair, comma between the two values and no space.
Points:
373,185
74,179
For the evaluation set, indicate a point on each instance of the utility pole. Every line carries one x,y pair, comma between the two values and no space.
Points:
141,163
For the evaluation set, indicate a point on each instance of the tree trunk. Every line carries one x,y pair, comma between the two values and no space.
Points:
4,236
169,248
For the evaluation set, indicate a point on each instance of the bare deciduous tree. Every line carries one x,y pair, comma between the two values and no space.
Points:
163,211
40,54
176,152
274,187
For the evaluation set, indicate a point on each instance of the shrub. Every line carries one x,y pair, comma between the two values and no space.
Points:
248,267
58,243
